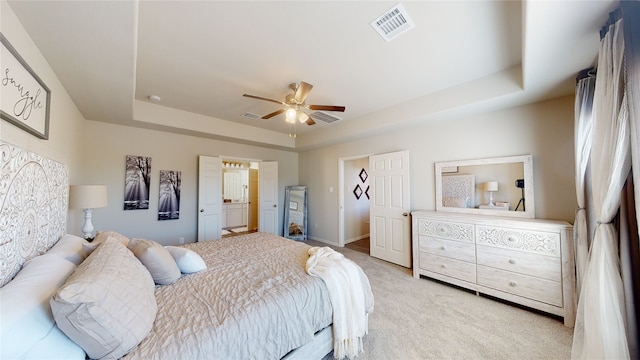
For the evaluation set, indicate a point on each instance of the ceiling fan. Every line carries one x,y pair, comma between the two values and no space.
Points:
295,106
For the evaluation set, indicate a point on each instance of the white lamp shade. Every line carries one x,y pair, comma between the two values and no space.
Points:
491,186
87,196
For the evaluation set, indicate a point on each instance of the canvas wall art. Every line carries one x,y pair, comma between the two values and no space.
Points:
169,195
137,181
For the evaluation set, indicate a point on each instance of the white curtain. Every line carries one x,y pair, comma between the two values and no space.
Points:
582,140
600,331
630,260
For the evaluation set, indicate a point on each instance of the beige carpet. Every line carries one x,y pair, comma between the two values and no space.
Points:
423,319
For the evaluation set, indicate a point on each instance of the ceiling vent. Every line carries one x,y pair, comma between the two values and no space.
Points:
392,23
324,117
251,115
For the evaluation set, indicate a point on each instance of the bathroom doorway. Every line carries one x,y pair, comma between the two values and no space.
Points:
240,194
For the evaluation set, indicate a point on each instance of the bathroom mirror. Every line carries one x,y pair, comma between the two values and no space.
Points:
495,186
295,213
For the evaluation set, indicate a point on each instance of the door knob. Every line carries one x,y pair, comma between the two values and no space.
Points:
405,214
274,205
201,210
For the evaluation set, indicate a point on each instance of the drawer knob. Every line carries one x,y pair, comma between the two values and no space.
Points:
513,283
512,261
442,248
443,266
512,238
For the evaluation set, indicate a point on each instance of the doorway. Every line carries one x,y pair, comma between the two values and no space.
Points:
240,196
353,193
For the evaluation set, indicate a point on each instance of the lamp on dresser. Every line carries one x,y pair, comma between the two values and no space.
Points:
87,197
491,186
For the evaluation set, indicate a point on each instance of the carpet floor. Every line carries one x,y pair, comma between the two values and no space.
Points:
425,319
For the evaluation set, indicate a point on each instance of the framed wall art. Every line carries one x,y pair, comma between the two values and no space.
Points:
136,182
169,195
25,98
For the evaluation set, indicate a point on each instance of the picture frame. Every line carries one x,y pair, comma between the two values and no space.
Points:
26,99
293,205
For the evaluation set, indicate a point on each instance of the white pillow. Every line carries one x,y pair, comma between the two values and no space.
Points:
157,260
188,260
72,248
108,305
103,235
28,327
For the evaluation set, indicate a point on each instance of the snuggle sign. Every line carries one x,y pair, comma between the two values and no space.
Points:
24,98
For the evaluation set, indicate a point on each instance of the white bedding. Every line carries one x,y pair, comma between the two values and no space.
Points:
254,301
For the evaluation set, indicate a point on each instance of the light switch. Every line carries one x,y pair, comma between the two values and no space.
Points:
330,188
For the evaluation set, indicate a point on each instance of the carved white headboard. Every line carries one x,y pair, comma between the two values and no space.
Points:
34,193
458,190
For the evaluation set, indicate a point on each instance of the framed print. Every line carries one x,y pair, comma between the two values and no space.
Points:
136,182
169,195
293,205
24,98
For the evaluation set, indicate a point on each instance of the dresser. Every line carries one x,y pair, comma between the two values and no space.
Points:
524,261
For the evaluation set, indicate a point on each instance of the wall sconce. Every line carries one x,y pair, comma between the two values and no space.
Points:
491,186
87,197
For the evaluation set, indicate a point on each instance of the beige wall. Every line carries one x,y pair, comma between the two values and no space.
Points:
107,146
544,130
66,123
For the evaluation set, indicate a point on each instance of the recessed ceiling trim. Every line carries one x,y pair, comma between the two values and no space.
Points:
393,22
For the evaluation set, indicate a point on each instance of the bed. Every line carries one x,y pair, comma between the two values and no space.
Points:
242,297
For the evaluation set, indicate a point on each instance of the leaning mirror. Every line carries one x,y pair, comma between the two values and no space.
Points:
495,186
295,214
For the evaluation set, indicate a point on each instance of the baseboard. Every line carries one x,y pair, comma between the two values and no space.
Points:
356,238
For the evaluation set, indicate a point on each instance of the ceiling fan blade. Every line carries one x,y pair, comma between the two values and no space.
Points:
277,112
302,91
310,121
262,98
326,107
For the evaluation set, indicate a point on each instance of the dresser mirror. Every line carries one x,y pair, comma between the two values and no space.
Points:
495,186
295,213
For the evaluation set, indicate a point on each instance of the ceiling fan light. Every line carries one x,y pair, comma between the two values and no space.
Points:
291,115
303,117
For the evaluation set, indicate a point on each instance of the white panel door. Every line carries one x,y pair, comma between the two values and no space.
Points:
268,208
209,198
390,231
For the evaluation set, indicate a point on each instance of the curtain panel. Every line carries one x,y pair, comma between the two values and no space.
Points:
582,141
600,330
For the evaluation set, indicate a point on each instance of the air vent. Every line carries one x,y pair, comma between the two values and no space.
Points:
251,115
392,23
324,117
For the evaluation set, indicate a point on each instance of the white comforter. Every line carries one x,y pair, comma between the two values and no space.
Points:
255,301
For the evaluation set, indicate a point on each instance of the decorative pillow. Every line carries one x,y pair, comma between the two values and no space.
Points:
28,328
108,305
72,248
188,260
157,260
455,201
103,235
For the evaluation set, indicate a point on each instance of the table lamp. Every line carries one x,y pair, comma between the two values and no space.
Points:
87,197
491,186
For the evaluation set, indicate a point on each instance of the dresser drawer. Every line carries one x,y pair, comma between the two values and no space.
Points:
538,242
446,230
448,248
534,288
546,267
453,268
